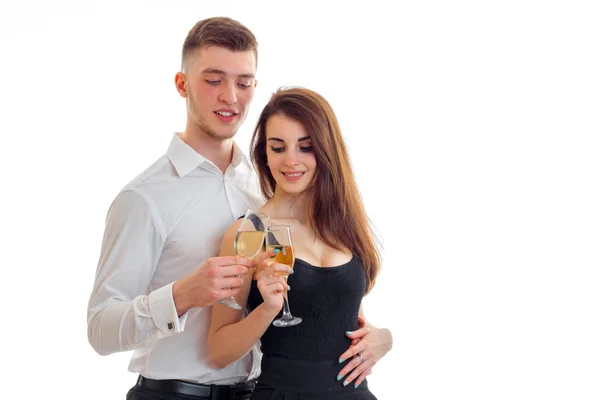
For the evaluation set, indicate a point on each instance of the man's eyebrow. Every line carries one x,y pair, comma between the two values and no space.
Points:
221,72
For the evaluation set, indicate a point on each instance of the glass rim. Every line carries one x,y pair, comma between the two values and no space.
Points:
251,210
277,227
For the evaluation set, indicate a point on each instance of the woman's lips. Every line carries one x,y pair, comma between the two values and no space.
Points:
292,175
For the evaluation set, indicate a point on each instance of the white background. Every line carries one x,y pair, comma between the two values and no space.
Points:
473,130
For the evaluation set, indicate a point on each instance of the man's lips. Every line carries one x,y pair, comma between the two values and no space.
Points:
226,115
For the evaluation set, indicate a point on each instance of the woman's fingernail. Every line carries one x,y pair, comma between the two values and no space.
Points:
341,360
339,378
276,250
346,383
291,271
356,385
289,288
348,332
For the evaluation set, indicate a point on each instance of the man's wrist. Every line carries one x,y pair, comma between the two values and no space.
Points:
180,298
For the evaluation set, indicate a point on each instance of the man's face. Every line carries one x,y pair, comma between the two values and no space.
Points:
219,86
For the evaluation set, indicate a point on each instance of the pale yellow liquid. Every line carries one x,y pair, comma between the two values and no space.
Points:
248,243
285,256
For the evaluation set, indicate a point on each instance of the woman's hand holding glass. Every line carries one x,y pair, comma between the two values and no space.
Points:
271,282
279,239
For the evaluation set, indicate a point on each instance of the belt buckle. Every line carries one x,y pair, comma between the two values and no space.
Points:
241,389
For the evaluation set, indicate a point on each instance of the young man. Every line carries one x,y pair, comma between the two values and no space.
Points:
158,275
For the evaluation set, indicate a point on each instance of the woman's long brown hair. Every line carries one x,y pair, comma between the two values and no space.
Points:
336,210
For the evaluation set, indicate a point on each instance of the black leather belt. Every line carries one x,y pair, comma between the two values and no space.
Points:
213,392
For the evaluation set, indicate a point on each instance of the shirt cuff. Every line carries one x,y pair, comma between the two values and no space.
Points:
163,311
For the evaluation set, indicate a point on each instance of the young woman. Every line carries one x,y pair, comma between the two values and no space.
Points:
306,177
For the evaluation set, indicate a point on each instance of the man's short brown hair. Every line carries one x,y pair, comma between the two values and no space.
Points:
218,31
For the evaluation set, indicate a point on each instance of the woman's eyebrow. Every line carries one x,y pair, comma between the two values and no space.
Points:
282,141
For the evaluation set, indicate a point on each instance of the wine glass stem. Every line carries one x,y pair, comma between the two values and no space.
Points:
286,309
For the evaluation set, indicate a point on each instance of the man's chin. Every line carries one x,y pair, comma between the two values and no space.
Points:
222,134
225,135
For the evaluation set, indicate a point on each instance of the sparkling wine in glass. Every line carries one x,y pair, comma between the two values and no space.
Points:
279,239
248,242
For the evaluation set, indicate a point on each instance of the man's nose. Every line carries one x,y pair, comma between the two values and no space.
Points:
228,95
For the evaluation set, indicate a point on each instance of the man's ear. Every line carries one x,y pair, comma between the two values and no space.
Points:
180,84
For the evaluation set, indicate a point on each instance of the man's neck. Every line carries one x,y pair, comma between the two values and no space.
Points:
219,152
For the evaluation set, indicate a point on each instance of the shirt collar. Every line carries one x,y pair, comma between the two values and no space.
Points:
185,159
238,157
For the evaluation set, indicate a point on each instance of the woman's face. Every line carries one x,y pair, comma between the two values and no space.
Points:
290,155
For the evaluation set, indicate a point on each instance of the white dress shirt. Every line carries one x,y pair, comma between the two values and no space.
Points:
160,228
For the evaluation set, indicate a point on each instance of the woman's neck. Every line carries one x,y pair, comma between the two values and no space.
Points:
285,205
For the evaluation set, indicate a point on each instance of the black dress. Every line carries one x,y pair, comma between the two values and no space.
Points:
302,362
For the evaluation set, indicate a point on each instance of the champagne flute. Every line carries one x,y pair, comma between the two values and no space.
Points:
279,239
248,242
